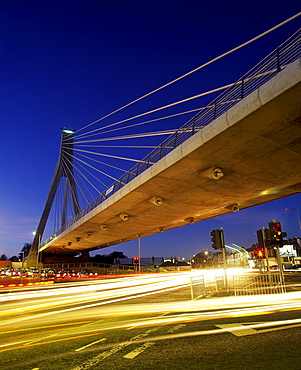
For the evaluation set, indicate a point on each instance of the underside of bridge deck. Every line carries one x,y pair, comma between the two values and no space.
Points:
248,156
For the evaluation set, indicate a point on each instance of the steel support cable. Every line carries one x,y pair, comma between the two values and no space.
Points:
68,207
76,182
83,176
65,159
80,179
258,73
157,109
133,136
142,123
120,146
198,68
83,195
113,156
96,131
81,163
92,175
103,163
97,169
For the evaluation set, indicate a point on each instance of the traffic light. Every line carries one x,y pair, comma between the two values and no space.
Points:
268,237
259,253
276,233
21,257
216,238
264,237
136,260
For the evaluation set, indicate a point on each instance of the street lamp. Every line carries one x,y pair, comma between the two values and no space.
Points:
297,210
38,251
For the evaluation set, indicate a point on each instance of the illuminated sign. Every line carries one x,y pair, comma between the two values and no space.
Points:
288,250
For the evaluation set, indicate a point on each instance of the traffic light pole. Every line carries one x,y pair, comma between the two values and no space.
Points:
266,252
224,258
280,266
139,252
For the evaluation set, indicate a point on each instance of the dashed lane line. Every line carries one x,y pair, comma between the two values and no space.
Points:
245,330
139,350
102,356
90,344
146,345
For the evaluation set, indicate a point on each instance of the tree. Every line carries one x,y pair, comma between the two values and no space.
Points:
108,258
3,257
14,259
117,254
26,249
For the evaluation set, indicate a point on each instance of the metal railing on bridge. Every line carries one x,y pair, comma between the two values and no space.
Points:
272,64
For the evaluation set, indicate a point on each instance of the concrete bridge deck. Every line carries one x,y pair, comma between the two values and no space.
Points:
256,145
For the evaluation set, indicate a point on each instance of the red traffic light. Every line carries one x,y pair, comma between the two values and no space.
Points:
217,239
259,253
276,233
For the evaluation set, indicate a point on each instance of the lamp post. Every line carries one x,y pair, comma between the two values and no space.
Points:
206,258
297,210
22,259
139,254
38,251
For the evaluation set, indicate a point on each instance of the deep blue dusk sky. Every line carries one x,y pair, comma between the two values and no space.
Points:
68,63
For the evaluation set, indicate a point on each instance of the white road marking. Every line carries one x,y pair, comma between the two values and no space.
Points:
39,339
245,330
139,350
279,328
238,332
142,348
102,356
176,327
90,344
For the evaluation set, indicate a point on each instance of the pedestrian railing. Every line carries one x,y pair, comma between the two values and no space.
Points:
238,285
204,286
267,283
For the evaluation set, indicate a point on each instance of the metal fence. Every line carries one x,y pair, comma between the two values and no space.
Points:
202,286
237,285
258,284
272,64
100,268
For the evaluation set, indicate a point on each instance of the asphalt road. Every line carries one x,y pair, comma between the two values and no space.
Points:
80,329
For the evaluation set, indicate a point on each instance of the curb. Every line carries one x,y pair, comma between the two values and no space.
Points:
27,284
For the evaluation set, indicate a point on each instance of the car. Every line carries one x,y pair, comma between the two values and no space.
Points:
70,273
86,273
60,274
48,273
5,272
274,267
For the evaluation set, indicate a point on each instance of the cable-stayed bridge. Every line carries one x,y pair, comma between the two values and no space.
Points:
241,150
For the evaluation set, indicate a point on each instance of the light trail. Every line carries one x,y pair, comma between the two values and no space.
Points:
116,290
93,301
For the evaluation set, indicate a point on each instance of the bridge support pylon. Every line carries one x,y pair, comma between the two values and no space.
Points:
64,169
